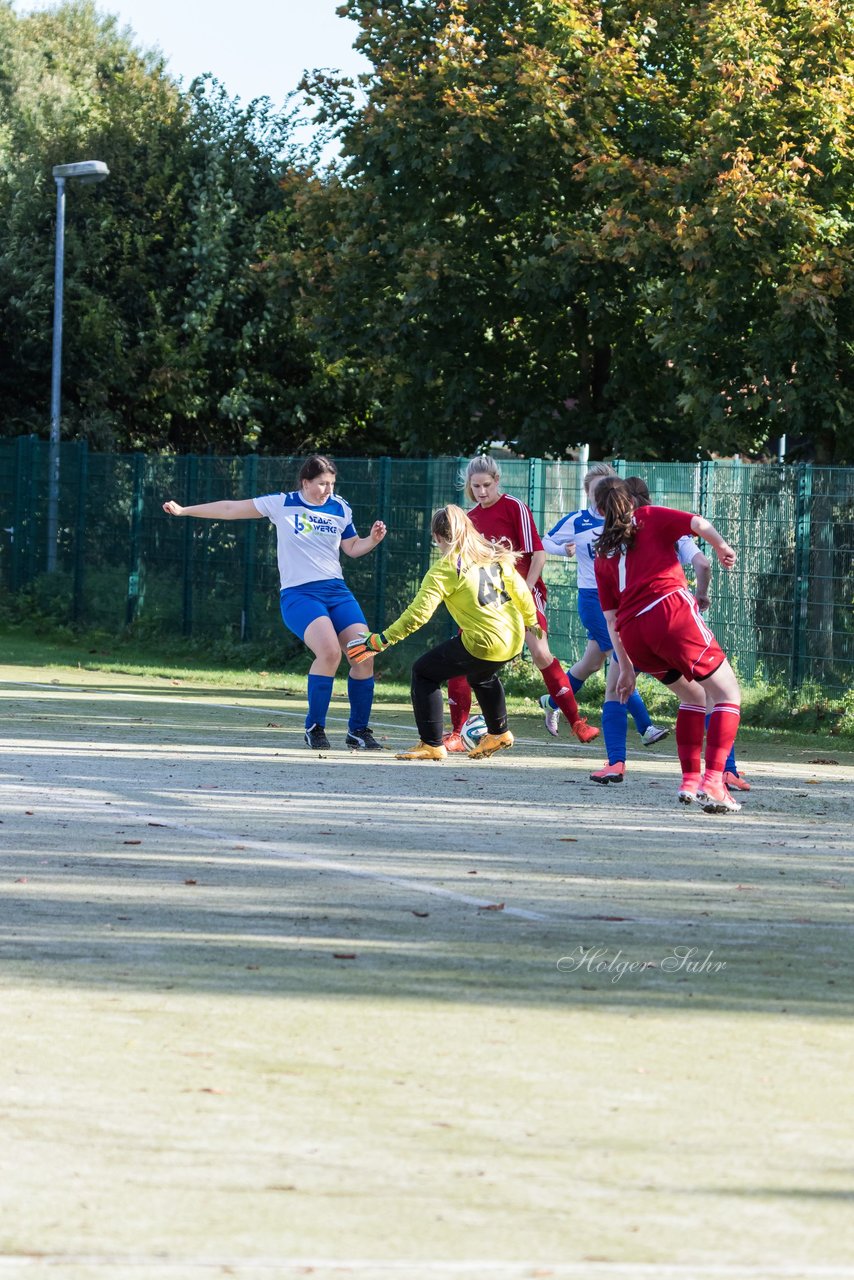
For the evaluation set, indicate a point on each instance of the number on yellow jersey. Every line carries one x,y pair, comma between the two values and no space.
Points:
491,589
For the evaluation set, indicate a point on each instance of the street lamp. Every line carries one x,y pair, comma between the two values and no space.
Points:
82,171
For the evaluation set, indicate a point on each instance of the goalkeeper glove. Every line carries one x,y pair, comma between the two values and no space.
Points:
361,650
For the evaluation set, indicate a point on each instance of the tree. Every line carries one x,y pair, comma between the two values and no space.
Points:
559,221
177,336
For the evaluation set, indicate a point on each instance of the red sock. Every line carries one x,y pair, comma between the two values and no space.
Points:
459,701
557,683
690,724
723,726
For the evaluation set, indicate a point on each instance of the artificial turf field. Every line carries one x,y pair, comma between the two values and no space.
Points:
272,1014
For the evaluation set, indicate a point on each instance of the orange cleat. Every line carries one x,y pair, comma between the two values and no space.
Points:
583,731
735,782
716,799
610,773
453,742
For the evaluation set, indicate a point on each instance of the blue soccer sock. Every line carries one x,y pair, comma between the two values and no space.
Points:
636,708
615,724
574,684
319,698
361,695
730,766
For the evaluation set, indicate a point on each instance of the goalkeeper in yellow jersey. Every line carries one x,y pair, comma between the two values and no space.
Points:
491,604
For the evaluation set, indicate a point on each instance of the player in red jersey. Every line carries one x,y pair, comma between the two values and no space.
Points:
501,518
689,553
656,627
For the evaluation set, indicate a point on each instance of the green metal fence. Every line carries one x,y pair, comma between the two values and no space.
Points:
787,609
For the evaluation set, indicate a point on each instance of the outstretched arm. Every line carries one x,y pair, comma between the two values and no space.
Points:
706,530
355,547
243,509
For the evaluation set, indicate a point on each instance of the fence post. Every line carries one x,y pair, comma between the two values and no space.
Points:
32,503
460,498
384,509
537,491
80,530
20,534
250,486
800,611
190,481
138,468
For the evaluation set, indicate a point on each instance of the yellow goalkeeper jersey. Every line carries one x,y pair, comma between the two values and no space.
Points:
491,605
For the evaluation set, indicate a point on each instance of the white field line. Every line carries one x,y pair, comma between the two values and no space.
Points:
318,864
276,852
190,700
282,1267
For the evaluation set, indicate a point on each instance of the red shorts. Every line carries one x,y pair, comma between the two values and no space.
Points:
540,606
672,637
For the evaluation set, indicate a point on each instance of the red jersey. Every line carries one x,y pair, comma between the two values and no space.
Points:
509,520
635,580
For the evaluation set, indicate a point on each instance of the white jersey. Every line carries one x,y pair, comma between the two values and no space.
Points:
582,528
686,549
309,538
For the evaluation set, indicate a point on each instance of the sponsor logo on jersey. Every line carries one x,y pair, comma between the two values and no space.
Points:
314,524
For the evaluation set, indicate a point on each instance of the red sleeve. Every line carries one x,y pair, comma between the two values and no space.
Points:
665,521
607,581
529,539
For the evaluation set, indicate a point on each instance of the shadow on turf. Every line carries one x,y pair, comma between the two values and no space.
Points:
79,908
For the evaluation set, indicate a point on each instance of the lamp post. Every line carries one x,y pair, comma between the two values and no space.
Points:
82,171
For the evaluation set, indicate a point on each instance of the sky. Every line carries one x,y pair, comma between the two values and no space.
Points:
256,48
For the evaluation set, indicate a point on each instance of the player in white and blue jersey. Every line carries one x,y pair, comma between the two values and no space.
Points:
576,534
313,526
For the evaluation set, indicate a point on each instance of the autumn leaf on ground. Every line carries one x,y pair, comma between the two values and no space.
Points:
343,955
492,906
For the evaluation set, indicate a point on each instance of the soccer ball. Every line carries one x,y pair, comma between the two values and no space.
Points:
472,731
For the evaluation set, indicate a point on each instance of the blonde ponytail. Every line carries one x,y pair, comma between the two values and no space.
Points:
452,525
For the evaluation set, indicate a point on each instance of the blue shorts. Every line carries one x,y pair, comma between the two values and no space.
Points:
331,598
591,615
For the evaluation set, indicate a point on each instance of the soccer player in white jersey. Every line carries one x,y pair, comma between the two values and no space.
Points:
313,525
576,534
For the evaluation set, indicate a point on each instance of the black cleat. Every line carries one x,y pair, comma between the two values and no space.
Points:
364,740
316,738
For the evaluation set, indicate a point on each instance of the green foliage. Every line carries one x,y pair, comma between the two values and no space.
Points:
555,222
551,222
179,334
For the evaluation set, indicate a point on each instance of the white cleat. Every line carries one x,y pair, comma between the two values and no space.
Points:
552,716
653,734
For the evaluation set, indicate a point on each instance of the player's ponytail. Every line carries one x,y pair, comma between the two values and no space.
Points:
452,526
614,502
639,490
